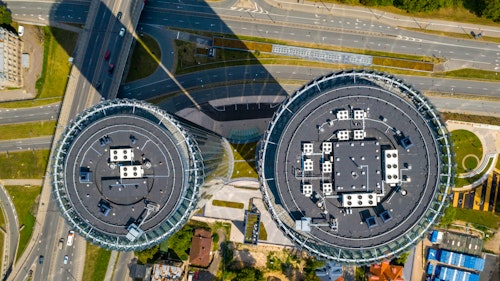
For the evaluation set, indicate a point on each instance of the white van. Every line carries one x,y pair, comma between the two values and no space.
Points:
71,237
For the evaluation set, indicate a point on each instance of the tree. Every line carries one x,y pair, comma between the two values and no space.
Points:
492,9
401,260
5,16
146,255
310,268
249,274
413,6
448,217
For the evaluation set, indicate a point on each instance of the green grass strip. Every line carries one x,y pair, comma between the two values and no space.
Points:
27,130
229,204
25,202
23,164
487,219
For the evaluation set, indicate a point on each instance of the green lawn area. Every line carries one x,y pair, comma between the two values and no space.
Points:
145,58
96,263
478,217
465,143
25,201
262,232
497,166
30,103
23,164
229,204
471,118
58,46
27,130
468,73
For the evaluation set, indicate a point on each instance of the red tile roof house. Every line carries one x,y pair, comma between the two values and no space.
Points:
385,272
200,253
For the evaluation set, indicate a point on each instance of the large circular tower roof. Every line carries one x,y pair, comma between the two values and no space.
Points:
355,167
126,175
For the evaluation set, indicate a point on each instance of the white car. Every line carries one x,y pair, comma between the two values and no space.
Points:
122,32
20,30
66,258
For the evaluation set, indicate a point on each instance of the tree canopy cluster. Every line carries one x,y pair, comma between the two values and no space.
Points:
5,16
484,8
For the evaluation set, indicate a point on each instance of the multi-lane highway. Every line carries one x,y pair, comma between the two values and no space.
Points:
272,22
91,79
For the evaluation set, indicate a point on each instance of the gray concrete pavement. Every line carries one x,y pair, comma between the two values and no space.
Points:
111,265
242,194
122,268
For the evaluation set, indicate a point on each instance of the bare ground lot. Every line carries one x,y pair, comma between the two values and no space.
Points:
33,45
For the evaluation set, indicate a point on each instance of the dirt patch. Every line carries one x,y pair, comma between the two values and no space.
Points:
33,45
493,244
256,256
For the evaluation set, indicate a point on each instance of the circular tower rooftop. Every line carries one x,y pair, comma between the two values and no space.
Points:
356,167
126,175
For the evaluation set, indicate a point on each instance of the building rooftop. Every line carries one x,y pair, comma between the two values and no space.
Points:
201,248
336,176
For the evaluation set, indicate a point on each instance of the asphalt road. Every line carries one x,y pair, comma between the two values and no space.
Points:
91,67
349,31
258,74
12,231
30,114
26,144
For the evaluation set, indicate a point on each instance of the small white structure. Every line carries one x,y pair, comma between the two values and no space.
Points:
327,188
343,114
131,172
391,167
359,114
121,154
307,189
308,165
326,147
326,167
359,134
307,148
343,135
353,200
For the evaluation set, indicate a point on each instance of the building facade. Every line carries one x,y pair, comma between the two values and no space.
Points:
11,48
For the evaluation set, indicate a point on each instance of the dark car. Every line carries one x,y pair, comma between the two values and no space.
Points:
106,56
119,15
40,260
111,68
98,85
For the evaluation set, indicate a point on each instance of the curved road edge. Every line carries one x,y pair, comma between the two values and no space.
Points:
12,235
